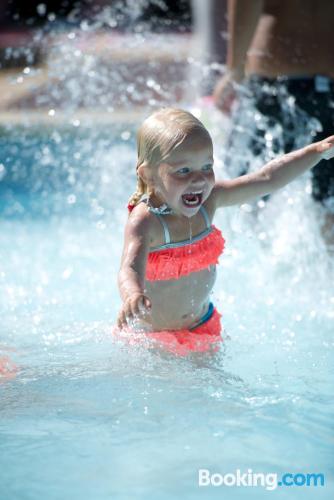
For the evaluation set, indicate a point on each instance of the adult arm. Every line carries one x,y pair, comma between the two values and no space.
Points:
243,17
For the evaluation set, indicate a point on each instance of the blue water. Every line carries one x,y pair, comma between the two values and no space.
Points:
88,418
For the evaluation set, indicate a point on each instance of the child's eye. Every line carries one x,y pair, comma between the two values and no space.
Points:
183,170
207,167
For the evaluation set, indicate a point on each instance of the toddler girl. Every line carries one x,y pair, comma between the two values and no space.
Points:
171,247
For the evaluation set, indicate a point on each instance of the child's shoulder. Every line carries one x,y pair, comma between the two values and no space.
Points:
141,220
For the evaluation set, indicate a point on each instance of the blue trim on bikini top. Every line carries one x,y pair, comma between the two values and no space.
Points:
182,243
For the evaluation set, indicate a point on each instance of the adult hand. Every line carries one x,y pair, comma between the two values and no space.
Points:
225,92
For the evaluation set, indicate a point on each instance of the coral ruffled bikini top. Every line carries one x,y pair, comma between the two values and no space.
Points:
173,260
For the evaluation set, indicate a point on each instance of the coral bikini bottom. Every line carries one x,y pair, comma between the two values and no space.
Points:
204,337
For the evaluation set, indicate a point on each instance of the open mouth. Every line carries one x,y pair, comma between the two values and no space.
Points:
192,199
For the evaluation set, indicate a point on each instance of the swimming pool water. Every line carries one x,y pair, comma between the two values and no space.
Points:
88,418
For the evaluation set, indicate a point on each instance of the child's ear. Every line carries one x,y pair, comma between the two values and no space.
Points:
145,173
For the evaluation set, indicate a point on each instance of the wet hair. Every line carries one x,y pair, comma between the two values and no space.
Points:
159,135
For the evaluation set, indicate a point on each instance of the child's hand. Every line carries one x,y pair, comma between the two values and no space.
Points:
137,305
326,148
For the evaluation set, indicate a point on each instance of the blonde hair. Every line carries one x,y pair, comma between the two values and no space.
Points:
158,136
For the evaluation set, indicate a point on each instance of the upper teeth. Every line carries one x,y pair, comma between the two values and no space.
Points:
195,192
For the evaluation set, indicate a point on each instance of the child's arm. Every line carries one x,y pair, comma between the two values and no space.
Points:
273,175
131,276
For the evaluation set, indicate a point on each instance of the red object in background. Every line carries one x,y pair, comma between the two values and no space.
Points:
8,369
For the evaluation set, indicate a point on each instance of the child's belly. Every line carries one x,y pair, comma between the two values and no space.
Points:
181,303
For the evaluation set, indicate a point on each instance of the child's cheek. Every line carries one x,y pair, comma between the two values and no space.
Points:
176,182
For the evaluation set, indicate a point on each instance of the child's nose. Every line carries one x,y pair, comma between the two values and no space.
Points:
198,179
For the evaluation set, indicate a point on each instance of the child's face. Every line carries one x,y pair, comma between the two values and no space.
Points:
186,178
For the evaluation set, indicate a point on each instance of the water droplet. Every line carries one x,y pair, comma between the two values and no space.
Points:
36,319
67,273
2,171
41,9
71,199
125,135
112,23
246,208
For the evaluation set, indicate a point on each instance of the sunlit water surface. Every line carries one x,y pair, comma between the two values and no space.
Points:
86,417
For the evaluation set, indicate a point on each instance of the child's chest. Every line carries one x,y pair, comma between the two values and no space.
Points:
174,229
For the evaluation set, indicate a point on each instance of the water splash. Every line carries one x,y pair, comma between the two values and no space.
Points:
64,208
